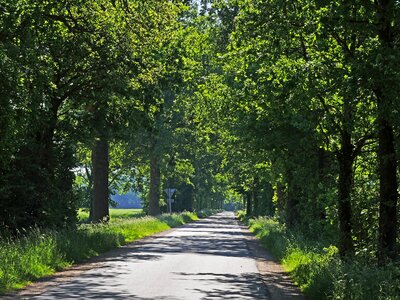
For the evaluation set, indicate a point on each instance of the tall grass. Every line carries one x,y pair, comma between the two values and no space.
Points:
28,258
319,271
41,253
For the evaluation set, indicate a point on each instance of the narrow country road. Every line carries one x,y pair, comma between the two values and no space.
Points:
208,259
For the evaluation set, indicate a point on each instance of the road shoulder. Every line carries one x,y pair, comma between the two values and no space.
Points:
279,285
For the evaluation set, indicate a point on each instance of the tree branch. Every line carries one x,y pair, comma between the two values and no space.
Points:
367,139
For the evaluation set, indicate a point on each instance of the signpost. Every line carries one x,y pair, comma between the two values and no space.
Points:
170,192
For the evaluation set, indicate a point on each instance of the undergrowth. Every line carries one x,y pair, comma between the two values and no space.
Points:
318,269
39,253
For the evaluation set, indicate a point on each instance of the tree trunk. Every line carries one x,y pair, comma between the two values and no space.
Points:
387,192
291,209
188,200
281,201
321,164
89,190
386,151
292,201
46,136
154,193
100,162
268,208
345,159
249,204
256,212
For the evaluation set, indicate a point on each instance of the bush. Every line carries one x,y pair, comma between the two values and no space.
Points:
241,215
204,213
319,271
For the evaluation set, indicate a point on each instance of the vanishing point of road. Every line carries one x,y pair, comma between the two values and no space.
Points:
207,259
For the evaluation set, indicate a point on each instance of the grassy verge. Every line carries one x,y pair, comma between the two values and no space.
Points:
41,253
319,271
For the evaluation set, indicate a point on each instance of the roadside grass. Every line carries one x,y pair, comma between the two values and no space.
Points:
40,253
318,270
115,213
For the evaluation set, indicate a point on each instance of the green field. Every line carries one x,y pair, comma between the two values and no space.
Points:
115,213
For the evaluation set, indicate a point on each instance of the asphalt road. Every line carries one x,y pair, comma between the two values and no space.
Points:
208,259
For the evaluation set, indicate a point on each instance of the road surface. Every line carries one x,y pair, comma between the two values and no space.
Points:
207,259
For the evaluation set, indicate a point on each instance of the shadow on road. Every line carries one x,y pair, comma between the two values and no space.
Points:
220,236
216,236
247,285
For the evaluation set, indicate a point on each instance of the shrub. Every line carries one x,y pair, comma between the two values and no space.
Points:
319,271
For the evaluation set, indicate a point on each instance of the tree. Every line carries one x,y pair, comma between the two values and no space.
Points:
71,61
387,26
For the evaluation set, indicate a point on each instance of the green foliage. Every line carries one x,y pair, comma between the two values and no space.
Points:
178,219
279,105
241,215
318,270
70,72
306,95
87,241
33,256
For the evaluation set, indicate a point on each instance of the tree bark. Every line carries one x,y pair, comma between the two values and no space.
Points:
268,206
387,191
45,137
256,212
100,162
345,159
255,196
188,200
387,234
249,204
292,201
89,191
281,200
388,194
154,193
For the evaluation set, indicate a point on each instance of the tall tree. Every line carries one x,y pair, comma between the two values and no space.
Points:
387,26
99,211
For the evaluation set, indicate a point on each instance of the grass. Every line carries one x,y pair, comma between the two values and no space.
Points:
318,270
40,253
115,213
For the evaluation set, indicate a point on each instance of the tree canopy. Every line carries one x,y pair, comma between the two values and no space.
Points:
287,109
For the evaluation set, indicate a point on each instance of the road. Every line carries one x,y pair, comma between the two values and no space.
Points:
207,259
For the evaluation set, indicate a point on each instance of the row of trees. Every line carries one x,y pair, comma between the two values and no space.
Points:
291,108
311,105
73,77
93,100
